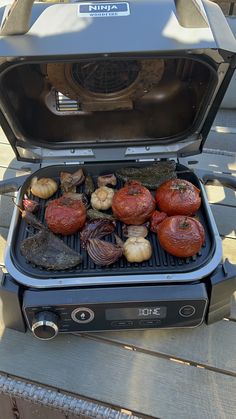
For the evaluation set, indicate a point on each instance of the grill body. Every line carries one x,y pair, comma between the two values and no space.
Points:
85,86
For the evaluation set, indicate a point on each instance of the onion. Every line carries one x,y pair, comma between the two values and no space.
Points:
103,253
96,228
135,231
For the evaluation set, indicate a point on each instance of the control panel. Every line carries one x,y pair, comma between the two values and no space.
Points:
56,311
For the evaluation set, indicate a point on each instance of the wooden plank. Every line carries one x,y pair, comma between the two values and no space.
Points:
136,381
233,307
3,238
204,345
6,407
6,210
8,158
30,410
225,218
220,195
229,249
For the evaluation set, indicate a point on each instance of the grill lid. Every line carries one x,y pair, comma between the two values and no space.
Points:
78,85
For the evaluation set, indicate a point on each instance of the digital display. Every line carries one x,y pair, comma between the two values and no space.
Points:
132,313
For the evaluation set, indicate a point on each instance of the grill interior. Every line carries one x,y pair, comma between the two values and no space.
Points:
161,261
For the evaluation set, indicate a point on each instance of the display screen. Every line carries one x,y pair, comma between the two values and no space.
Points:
132,313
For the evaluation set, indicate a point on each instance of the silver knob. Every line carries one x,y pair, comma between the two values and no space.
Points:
45,325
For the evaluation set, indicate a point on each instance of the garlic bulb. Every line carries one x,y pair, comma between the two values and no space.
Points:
44,187
101,199
137,249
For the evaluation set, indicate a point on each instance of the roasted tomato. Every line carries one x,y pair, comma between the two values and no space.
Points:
133,204
156,219
65,215
181,236
178,197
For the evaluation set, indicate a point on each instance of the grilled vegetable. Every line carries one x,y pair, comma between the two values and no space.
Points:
69,181
156,219
181,236
94,214
137,249
29,204
89,185
178,196
96,228
45,249
107,180
103,253
44,187
65,215
150,176
101,199
133,204
78,196
135,231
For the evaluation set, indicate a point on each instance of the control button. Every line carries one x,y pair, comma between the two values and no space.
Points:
149,322
122,323
187,311
82,315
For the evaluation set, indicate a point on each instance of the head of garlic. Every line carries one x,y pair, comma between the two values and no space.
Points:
44,187
101,198
137,249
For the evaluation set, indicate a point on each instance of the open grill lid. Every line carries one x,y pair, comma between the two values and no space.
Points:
112,81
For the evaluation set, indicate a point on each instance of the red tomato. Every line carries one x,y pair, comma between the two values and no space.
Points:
178,196
133,204
181,236
65,215
156,219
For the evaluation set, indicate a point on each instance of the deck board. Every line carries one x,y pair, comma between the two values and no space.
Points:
204,345
138,381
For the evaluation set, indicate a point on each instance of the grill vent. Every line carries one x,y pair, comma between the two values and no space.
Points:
65,104
106,77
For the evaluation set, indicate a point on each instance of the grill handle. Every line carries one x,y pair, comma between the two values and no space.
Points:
12,185
218,179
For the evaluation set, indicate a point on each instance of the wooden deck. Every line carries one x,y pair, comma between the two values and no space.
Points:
165,374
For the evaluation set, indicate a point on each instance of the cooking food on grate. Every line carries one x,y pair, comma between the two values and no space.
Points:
101,198
178,196
93,214
133,204
150,176
107,180
65,215
44,187
89,185
135,231
78,196
29,204
103,253
156,219
96,229
137,249
45,249
181,236
69,181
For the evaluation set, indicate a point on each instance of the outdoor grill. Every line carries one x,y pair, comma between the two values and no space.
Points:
105,86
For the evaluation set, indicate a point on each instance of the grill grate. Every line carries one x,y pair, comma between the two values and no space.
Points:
160,262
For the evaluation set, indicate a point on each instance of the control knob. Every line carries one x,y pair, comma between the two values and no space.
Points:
45,325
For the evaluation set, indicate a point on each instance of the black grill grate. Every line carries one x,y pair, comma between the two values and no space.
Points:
161,261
